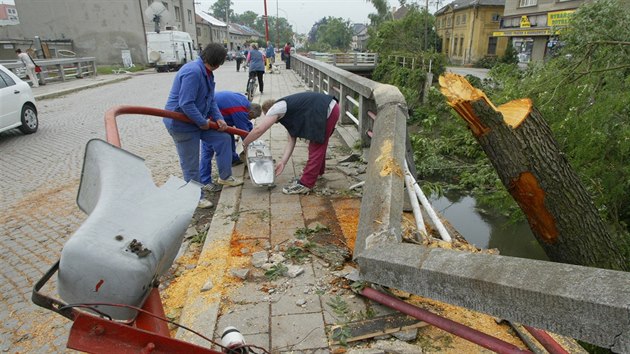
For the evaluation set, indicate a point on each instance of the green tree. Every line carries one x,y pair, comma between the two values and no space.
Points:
280,31
404,35
382,12
220,7
247,18
336,33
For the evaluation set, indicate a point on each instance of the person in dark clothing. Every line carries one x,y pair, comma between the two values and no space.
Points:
287,55
307,115
240,57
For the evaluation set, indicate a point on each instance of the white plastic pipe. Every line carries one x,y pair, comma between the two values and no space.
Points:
429,209
415,206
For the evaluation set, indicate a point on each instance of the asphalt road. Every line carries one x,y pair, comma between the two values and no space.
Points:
40,178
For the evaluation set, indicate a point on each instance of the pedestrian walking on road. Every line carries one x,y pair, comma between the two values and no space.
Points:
306,115
270,53
30,66
237,112
256,63
192,94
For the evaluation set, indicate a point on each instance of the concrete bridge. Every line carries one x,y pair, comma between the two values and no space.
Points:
588,304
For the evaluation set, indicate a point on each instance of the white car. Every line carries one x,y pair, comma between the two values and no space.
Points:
17,104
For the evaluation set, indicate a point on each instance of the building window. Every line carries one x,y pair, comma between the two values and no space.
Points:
198,31
461,46
178,14
457,20
189,16
495,17
448,22
463,19
526,3
492,45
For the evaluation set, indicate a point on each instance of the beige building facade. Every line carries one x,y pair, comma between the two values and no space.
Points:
466,29
96,28
532,25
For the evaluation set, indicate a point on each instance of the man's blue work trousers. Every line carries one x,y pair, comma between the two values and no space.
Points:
208,151
187,144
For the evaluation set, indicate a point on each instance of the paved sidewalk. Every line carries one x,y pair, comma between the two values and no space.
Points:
254,223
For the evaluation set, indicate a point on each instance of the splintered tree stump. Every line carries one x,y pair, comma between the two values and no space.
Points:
528,160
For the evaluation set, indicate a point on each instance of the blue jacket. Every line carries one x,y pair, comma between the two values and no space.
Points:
234,108
256,62
270,52
192,93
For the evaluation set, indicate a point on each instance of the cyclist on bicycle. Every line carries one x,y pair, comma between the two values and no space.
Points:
256,62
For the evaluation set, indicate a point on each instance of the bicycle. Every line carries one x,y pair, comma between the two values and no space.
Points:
252,85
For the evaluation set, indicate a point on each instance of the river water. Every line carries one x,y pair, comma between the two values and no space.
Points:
488,231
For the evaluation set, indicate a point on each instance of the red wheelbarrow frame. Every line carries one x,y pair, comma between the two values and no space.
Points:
148,332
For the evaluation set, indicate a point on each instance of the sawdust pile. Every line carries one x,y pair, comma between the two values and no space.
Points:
347,212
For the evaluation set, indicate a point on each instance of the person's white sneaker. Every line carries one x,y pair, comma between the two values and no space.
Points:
230,181
205,204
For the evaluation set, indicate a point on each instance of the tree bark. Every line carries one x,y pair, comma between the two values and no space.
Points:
528,160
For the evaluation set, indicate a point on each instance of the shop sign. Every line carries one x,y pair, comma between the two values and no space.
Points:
522,33
525,22
559,18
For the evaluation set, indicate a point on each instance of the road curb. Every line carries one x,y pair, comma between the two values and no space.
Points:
66,91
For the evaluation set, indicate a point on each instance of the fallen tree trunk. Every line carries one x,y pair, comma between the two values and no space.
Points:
528,160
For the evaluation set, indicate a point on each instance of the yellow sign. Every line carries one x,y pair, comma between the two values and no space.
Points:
525,22
522,33
559,18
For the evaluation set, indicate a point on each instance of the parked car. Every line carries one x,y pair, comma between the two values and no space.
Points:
17,103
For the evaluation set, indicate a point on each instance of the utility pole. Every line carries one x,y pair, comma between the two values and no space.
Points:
426,26
277,30
227,22
266,24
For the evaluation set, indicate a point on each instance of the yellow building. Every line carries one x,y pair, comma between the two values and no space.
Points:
466,27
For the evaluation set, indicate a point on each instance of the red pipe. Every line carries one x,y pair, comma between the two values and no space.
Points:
458,329
546,340
111,127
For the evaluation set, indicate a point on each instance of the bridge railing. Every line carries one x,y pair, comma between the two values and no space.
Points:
353,58
57,69
589,304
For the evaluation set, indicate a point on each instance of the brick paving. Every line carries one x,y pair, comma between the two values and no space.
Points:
40,175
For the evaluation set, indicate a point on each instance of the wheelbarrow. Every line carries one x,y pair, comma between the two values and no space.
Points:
109,270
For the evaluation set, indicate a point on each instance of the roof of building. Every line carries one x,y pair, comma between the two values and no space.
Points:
246,30
401,12
358,27
210,19
462,4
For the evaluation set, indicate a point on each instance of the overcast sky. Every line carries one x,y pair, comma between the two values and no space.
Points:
302,14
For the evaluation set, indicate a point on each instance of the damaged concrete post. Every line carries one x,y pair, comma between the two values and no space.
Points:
585,303
382,203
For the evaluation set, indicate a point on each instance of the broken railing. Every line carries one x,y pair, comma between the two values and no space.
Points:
589,304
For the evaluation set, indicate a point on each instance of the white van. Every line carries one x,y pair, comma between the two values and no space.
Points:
169,50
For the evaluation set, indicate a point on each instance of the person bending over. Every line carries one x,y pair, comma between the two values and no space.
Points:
306,115
237,112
